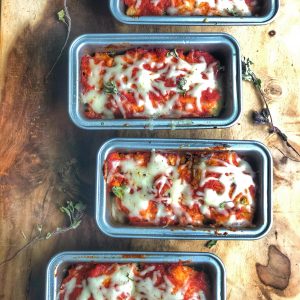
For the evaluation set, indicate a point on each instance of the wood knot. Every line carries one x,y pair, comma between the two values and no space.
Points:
278,270
273,89
272,33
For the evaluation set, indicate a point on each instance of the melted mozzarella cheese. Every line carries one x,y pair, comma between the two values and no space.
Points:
146,82
241,175
222,7
155,2
141,180
146,286
69,287
148,183
120,283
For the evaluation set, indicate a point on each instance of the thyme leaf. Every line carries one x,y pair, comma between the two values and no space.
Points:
127,275
233,12
244,200
173,52
220,68
119,191
110,88
180,85
211,243
61,16
222,204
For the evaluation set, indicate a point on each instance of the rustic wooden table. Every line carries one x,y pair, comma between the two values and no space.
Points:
45,160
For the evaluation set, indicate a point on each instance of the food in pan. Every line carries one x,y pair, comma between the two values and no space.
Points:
212,187
156,83
138,8
131,281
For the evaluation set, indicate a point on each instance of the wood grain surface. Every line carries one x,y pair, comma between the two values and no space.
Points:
45,160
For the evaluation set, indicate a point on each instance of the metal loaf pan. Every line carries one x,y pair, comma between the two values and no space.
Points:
265,15
222,46
207,262
254,152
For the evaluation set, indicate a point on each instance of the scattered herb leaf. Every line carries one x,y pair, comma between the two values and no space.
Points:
221,68
110,88
129,277
180,85
119,191
61,16
244,200
232,12
173,53
222,204
39,227
211,243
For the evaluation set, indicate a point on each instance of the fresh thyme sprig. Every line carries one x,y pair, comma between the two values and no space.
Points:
74,212
264,115
64,17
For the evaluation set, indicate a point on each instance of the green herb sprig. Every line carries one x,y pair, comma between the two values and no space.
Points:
64,17
73,210
110,87
173,52
232,12
222,204
119,191
211,243
180,85
264,116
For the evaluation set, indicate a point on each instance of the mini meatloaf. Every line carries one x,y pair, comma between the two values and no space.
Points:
203,188
131,281
157,83
136,8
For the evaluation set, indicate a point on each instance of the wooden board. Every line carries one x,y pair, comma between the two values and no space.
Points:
45,160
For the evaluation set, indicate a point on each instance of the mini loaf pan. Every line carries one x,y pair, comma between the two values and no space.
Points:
266,14
254,152
224,47
206,262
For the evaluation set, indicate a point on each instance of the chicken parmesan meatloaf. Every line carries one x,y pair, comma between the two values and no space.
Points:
131,281
200,188
137,8
157,83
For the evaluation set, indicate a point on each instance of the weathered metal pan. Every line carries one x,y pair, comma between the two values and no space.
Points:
254,152
207,262
222,46
264,16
